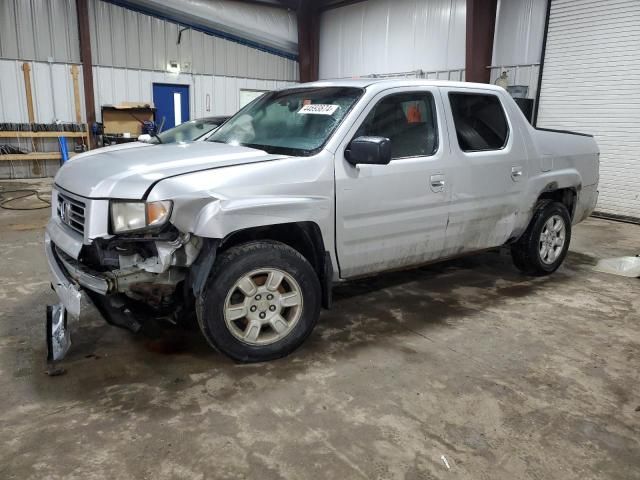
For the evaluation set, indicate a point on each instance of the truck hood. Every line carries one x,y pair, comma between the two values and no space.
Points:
128,173
112,148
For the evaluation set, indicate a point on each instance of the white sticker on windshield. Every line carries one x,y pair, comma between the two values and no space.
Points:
319,109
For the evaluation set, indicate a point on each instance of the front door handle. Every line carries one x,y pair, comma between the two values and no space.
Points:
516,173
437,183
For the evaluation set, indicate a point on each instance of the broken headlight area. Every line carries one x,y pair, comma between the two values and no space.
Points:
108,253
151,252
133,276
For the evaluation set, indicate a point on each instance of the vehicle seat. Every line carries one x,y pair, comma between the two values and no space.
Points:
469,137
388,120
416,139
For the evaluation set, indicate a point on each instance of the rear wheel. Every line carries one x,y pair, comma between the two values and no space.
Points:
261,303
544,245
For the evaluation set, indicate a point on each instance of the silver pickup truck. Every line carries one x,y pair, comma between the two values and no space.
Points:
303,188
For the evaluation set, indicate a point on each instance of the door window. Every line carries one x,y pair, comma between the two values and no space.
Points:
480,121
408,120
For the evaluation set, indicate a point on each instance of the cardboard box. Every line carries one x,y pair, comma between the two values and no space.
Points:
127,117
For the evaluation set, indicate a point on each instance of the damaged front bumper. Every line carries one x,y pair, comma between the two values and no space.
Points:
147,281
61,317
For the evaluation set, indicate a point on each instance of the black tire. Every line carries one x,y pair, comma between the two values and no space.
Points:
526,251
239,261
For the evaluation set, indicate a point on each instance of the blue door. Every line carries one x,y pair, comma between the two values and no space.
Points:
172,104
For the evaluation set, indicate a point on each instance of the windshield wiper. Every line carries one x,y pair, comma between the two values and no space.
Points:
157,137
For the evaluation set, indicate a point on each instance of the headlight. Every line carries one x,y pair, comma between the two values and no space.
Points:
129,216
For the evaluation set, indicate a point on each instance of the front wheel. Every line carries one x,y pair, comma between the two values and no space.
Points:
261,303
544,245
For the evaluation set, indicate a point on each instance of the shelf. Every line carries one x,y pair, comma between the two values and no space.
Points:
34,156
20,134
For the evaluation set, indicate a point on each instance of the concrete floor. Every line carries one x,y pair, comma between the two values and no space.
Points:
505,376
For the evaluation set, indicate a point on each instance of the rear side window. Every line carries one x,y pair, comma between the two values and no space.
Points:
408,120
480,121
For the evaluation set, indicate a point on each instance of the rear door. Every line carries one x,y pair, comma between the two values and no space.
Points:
389,216
488,169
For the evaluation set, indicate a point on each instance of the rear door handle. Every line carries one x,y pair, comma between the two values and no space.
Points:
437,183
516,173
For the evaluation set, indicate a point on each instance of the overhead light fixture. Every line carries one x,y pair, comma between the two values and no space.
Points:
173,66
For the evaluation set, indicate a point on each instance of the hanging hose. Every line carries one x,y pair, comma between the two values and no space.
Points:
25,192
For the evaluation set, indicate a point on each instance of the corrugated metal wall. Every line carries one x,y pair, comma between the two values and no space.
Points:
387,36
208,94
53,100
127,39
47,30
517,42
130,52
263,23
52,91
44,30
519,32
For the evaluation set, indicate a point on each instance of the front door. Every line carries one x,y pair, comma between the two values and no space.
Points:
172,104
389,216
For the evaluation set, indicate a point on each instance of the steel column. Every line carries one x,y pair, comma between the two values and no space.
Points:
481,22
87,65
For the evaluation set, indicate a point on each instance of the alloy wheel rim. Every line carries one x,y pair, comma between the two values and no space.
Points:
552,239
263,306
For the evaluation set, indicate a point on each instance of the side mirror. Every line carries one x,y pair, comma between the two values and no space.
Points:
369,150
145,137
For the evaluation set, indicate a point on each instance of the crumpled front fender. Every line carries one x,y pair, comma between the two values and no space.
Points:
218,218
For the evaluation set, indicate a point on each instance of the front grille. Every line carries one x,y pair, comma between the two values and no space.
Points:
71,212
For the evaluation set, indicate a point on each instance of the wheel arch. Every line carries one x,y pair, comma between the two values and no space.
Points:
567,195
304,237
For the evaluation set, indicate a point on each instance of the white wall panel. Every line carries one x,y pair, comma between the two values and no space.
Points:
519,32
590,83
116,85
128,39
26,31
385,36
52,86
8,30
53,100
263,24
52,90
42,85
13,106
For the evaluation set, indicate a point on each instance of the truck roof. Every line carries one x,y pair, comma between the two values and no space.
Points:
384,83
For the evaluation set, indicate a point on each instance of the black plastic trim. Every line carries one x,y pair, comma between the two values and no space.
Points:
569,132
327,282
202,266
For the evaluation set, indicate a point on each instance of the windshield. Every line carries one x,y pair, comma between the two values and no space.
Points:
188,131
296,121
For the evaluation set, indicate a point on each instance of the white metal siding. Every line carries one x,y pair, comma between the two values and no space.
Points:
52,91
591,84
208,94
52,86
519,32
47,30
39,30
387,36
127,39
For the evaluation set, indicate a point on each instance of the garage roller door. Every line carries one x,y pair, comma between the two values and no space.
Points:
591,83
